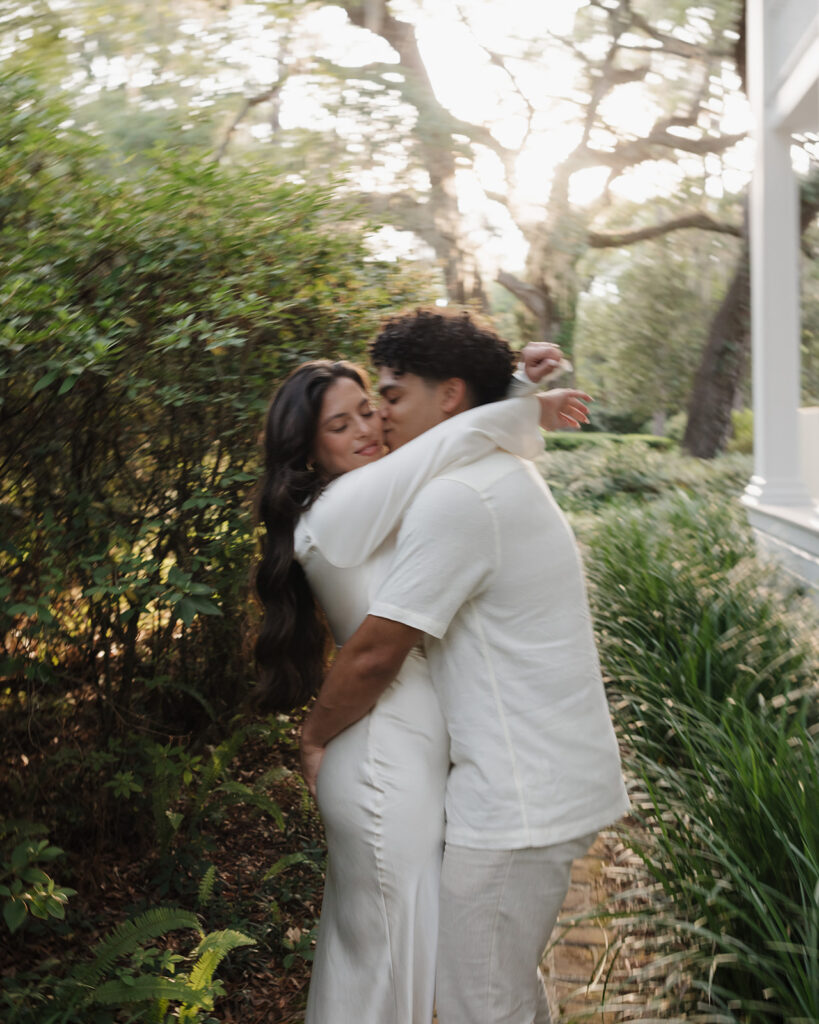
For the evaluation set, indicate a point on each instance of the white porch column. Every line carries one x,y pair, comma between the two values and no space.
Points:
775,298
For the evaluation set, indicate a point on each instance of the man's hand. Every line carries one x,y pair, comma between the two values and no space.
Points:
540,359
364,667
311,758
563,408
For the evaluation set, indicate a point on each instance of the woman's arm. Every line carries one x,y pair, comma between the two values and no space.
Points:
360,509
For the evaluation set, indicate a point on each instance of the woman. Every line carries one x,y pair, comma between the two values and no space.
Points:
381,786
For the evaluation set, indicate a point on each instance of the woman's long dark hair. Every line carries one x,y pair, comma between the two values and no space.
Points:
292,646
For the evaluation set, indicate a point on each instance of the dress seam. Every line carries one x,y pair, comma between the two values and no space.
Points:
378,847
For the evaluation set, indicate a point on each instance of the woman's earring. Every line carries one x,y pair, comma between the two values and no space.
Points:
311,466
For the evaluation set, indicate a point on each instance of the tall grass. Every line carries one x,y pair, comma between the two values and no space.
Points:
715,684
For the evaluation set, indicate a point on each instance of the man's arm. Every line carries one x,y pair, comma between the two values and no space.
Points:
364,668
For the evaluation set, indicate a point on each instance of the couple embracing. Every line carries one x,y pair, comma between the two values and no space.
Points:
460,747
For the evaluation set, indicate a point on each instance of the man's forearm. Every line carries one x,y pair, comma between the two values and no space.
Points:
364,668
350,690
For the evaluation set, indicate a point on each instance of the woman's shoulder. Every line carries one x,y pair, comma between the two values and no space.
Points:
303,542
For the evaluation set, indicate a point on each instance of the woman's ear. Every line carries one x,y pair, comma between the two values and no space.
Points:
454,396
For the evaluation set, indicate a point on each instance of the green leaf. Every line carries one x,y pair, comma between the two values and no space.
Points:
14,913
187,610
177,578
33,875
129,935
205,607
21,855
44,381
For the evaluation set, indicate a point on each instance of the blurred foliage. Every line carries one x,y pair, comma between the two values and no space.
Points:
155,983
592,477
640,334
742,437
810,323
144,327
568,441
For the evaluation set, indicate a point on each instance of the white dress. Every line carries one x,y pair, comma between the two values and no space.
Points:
382,781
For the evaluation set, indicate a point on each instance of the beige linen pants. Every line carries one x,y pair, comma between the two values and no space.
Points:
498,909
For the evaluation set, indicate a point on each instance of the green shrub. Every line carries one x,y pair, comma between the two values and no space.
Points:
25,888
610,472
128,973
714,679
687,608
144,326
729,834
742,432
675,426
570,440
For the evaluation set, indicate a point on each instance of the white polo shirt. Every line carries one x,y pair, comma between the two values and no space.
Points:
488,567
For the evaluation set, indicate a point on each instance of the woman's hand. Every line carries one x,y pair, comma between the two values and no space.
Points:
563,408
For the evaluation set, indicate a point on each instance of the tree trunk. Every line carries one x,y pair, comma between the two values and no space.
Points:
721,365
723,359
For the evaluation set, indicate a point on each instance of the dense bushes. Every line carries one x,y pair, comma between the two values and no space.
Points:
144,323
143,328
599,474
715,684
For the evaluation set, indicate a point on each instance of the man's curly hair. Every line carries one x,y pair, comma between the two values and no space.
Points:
437,346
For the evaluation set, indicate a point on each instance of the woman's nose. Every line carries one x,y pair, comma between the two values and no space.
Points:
362,426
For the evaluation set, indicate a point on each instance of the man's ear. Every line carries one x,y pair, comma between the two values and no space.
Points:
454,396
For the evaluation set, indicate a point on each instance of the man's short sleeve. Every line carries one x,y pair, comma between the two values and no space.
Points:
446,551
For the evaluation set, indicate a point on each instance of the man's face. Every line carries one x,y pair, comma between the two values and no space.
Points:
409,405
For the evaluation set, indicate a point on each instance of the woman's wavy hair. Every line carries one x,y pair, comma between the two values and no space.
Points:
292,646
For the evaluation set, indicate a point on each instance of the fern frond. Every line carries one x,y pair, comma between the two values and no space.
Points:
217,767
244,794
212,950
131,934
287,861
149,988
205,890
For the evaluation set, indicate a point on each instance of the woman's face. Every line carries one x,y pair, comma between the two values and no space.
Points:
349,429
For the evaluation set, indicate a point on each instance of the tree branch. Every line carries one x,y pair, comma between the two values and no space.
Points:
637,151
530,296
598,240
269,95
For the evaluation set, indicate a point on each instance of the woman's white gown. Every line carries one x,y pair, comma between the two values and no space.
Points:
381,797
382,780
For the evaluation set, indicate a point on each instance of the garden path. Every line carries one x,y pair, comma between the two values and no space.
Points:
572,962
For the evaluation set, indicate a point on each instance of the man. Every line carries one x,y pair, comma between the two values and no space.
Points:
487,575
